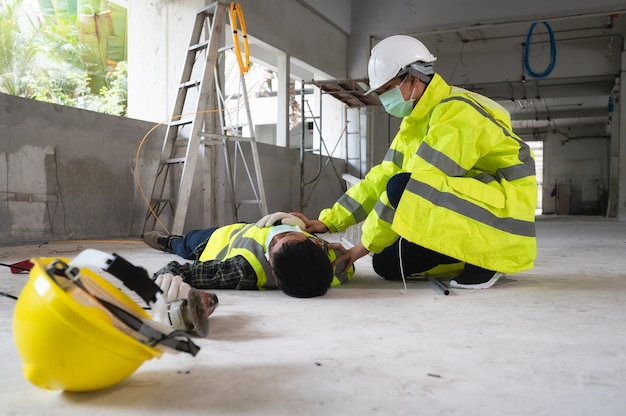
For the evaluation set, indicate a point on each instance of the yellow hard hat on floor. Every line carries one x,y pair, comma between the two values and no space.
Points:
76,331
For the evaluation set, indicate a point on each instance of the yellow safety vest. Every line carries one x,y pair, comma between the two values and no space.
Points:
248,240
472,193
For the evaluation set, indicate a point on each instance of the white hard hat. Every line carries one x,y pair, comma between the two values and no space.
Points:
393,54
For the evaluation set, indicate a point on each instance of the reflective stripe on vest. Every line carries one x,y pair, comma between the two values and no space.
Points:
395,157
470,210
246,240
353,207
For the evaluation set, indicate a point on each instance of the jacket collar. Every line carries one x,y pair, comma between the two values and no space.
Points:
437,90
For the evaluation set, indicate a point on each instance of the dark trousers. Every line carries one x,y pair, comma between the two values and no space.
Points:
415,259
185,246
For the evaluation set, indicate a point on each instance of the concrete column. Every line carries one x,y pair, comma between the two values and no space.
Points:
359,49
614,146
282,112
620,115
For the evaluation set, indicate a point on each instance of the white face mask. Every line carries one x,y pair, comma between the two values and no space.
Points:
394,102
279,229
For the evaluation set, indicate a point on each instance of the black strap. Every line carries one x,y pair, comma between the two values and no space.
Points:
135,278
170,340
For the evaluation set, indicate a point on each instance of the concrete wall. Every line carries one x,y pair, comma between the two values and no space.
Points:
67,173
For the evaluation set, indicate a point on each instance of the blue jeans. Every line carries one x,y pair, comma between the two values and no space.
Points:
185,246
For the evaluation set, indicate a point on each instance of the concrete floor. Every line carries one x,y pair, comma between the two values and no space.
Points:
551,341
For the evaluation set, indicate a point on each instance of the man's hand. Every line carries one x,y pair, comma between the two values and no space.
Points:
312,226
173,287
349,257
284,218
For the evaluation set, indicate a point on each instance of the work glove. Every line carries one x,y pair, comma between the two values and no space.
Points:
172,286
270,219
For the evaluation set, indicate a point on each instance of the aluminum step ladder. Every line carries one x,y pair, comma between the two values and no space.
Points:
194,124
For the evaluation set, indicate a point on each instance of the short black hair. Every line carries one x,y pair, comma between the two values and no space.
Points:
302,269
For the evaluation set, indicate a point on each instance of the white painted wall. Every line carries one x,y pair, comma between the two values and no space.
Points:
158,37
580,169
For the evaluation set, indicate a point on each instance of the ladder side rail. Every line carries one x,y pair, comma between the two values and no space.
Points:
221,104
188,66
249,174
193,147
162,174
255,153
157,204
230,176
156,198
183,88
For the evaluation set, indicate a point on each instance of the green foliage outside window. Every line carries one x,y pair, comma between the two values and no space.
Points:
54,57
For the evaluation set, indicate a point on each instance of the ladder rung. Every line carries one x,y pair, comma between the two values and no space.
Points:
199,46
175,160
226,48
181,122
211,142
235,126
190,84
208,10
157,202
225,136
249,201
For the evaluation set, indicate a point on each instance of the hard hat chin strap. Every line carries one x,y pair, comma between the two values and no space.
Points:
137,279
151,332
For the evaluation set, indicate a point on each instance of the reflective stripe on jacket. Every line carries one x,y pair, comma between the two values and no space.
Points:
472,193
248,240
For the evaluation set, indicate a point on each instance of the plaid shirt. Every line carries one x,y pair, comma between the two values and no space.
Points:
233,273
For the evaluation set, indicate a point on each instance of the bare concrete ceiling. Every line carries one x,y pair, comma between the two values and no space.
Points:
573,101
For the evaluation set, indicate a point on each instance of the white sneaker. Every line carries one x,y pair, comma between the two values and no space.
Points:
474,277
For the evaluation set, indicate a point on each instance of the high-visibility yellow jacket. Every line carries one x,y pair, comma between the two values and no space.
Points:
472,193
248,240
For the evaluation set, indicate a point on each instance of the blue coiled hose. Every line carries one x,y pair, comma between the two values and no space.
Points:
550,67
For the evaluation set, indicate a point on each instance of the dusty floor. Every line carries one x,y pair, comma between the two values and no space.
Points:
551,341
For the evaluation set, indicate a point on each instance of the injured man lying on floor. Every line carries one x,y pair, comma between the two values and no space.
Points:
274,253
